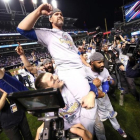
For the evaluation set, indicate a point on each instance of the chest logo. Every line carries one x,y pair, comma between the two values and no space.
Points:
67,40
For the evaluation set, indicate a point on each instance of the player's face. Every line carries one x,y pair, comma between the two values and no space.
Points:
98,66
52,81
49,67
57,19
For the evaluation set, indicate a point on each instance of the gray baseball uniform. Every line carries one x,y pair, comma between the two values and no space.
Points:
104,105
69,67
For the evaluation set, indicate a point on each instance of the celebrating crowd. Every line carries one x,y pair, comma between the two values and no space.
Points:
12,60
84,75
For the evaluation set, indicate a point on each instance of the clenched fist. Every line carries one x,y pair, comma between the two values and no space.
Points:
97,82
45,9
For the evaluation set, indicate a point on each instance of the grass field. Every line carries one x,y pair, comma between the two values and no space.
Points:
128,117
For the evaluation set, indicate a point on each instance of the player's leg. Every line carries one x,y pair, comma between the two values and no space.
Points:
88,123
112,118
75,80
99,129
105,109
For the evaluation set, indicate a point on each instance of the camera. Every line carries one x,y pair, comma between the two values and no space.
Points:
43,101
116,32
133,51
111,69
99,34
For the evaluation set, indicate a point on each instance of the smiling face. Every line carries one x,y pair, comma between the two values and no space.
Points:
57,20
49,67
52,81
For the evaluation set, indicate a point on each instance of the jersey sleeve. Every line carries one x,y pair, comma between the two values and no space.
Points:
9,84
94,89
79,53
28,34
42,35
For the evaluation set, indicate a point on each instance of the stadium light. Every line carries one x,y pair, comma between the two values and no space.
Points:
54,3
34,1
6,1
44,1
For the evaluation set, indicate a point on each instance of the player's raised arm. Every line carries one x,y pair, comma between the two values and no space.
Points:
25,27
28,22
24,59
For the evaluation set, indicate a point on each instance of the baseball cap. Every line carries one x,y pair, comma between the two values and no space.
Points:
96,57
54,11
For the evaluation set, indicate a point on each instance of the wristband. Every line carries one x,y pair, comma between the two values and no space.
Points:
105,86
94,89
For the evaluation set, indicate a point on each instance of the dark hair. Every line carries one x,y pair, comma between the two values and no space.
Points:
38,82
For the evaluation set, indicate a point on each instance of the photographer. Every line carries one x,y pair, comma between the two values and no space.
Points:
130,71
97,42
109,62
13,119
116,43
77,129
125,80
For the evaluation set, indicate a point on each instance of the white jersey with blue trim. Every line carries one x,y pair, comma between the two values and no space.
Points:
61,47
72,106
103,76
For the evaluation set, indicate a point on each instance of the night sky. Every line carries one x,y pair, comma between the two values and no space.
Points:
93,12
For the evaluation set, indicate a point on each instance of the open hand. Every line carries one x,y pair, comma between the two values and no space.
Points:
4,92
122,68
80,130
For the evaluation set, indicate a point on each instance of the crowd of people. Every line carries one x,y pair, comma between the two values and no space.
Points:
13,60
3,31
85,75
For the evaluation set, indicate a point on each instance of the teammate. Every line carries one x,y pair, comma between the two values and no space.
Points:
105,109
64,53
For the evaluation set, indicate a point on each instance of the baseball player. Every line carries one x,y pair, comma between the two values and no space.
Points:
65,54
105,109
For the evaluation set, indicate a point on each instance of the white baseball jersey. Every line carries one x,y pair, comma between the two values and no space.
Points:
61,47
